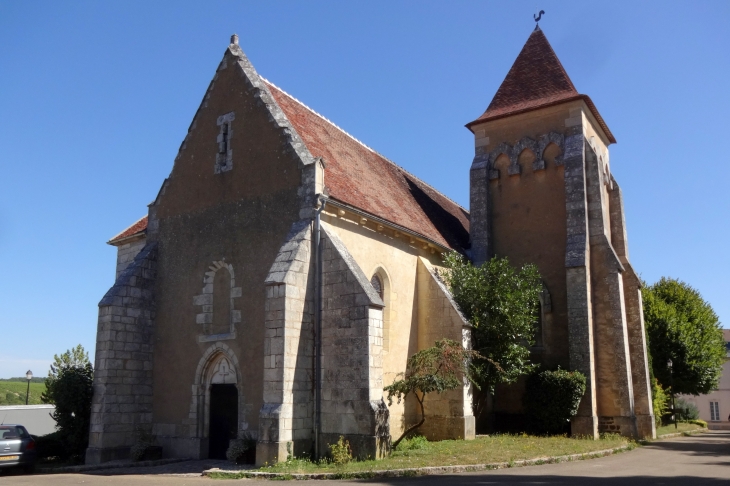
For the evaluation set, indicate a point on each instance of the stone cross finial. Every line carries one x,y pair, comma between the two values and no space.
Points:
234,39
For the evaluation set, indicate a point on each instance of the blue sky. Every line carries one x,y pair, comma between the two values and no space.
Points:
95,98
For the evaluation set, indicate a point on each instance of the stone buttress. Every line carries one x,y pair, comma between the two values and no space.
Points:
449,414
352,355
122,398
286,417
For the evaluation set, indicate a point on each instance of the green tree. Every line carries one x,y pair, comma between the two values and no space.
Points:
502,303
69,387
682,327
442,367
72,358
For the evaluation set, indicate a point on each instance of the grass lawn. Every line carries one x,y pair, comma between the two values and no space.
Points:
681,427
13,392
482,450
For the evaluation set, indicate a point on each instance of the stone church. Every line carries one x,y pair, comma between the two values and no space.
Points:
285,272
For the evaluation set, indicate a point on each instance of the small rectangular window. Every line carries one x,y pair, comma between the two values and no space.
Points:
224,155
714,411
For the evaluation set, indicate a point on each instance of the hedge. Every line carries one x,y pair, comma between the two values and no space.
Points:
552,399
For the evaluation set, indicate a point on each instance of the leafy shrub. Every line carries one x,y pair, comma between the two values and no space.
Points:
701,423
686,410
142,441
660,402
552,399
341,452
50,447
413,443
437,369
69,387
243,450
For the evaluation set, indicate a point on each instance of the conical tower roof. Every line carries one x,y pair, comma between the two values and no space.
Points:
537,79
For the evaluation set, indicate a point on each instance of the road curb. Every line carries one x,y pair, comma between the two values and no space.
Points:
680,434
416,471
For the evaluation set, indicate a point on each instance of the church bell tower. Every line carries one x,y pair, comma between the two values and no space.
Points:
542,192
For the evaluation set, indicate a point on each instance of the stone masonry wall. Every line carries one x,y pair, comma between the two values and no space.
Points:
479,231
643,409
611,346
286,418
577,263
123,364
127,252
449,414
352,355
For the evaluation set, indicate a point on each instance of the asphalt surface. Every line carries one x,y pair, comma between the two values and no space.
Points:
688,461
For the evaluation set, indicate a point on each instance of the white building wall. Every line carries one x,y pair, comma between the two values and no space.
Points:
36,419
721,395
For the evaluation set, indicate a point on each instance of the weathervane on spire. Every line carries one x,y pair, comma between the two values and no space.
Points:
537,18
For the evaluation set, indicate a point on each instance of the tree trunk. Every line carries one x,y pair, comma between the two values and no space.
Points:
413,427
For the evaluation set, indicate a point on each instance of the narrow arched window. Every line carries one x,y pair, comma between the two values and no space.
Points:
377,285
381,285
221,302
539,327
544,308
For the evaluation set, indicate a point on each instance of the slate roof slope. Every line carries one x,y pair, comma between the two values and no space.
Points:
360,177
536,79
138,228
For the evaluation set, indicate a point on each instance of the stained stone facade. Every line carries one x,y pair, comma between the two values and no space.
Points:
258,247
283,276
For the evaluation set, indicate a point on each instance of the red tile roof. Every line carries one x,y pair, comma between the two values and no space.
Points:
360,177
138,228
536,80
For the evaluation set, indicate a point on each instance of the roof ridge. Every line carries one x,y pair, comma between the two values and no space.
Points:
364,145
324,118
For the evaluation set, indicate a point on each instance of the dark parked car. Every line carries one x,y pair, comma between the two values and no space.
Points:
17,448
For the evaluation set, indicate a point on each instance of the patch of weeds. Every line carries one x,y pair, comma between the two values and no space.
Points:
341,452
412,443
610,436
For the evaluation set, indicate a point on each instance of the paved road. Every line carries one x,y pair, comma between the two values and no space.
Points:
688,461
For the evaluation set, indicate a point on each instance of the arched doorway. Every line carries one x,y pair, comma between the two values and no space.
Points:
223,419
223,408
218,400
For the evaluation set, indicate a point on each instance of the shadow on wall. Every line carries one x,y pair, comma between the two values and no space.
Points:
448,224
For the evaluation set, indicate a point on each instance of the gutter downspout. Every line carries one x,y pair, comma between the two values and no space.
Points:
318,326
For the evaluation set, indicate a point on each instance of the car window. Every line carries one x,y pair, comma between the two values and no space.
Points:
13,433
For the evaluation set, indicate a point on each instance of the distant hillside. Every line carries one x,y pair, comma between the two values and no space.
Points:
12,391
35,379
